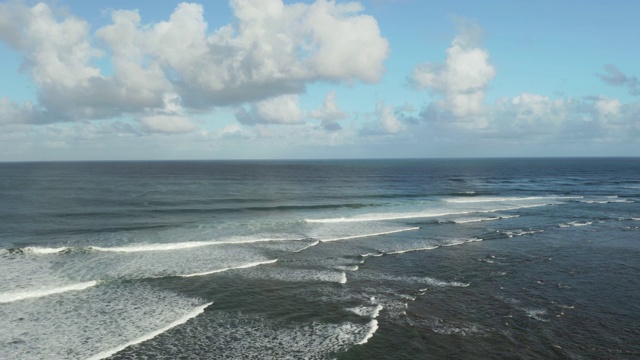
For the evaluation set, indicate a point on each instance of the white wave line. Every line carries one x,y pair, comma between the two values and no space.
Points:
197,311
373,327
376,311
465,221
343,278
417,215
474,200
230,268
370,235
411,250
180,245
16,296
308,246
41,250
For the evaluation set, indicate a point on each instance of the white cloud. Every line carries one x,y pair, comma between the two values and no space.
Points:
464,76
170,119
271,49
607,108
385,121
329,110
283,110
329,114
13,113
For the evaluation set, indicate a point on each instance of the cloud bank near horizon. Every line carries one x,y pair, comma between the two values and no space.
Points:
133,80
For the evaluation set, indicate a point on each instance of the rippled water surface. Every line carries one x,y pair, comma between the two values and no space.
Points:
376,259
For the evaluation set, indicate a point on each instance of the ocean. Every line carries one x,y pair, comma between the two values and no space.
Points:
341,259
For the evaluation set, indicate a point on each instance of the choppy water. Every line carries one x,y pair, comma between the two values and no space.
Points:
402,259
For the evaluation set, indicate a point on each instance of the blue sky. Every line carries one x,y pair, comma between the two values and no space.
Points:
267,79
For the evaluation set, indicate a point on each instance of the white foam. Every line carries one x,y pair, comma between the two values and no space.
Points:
104,354
347,267
308,246
411,250
420,280
575,223
500,199
465,221
22,295
231,268
440,283
417,215
372,254
45,250
459,329
343,278
370,235
460,242
184,245
373,327
521,232
536,314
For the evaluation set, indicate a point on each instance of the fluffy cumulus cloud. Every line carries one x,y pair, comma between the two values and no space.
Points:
463,77
461,112
329,113
283,110
384,121
272,49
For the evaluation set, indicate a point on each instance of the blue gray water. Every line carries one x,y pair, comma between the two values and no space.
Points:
375,259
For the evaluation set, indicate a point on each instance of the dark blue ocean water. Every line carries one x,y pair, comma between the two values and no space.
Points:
367,259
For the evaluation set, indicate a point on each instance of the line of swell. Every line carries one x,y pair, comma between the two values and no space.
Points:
308,246
429,248
498,199
369,235
104,354
415,215
466,221
35,250
180,245
373,327
230,268
16,296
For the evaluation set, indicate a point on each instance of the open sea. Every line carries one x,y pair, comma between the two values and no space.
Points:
351,259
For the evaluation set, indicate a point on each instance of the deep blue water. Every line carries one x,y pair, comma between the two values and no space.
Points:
352,259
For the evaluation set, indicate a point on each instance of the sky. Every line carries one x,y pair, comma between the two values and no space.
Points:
318,79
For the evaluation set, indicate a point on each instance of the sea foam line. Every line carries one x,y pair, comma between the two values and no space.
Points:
415,215
373,327
465,221
179,245
427,248
42,250
230,268
497,199
16,296
369,235
308,246
343,278
104,354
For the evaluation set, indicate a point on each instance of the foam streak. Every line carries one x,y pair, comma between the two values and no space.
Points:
180,245
199,310
373,327
16,296
231,268
369,235
308,246
416,215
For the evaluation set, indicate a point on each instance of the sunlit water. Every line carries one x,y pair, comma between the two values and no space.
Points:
402,259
